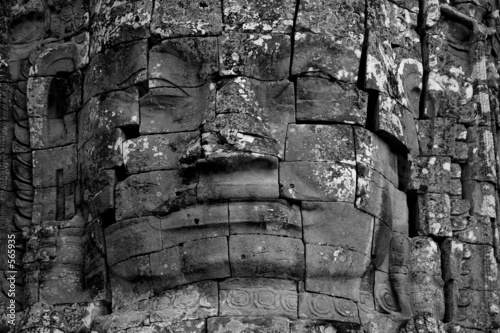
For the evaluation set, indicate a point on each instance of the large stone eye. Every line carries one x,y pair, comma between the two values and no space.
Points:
458,32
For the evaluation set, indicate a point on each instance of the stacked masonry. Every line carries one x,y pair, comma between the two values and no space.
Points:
200,166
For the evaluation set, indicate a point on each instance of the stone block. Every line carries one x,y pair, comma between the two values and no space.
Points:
470,266
187,18
334,271
240,132
103,200
184,326
238,176
116,69
45,204
255,108
314,143
48,162
52,106
265,217
266,256
397,125
169,110
102,152
434,215
320,326
482,197
480,165
118,23
274,16
426,292
258,56
194,261
194,301
436,136
248,325
62,58
332,17
317,306
193,223
155,192
183,62
431,175
321,100
134,237
320,181
57,290
374,153
108,111
130,282
459,206
258,297
337,224
381,246
326,56
155,152
379,197
473,229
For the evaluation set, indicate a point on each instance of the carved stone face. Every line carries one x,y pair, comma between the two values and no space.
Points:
209,168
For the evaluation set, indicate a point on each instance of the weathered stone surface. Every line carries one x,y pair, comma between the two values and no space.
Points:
169,110
434,215
320,326
436,137
480,164
337,224
397,124
101,152
130,282
326,56
183,62
116,69
63,58
116,23
248,324
317,306
425,269
108,111
194,261
334,270
381,246
374,153
314,143
132,237
238,176
266,256
258,297
482,196
473,229
326,101
271,217
380,198
253,116
193,223
259,56
274,16
431,175
195,301
320,181
154,192
52,103
187,18
155,152
48,162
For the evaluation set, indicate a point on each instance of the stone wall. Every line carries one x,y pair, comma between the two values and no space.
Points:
250,166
